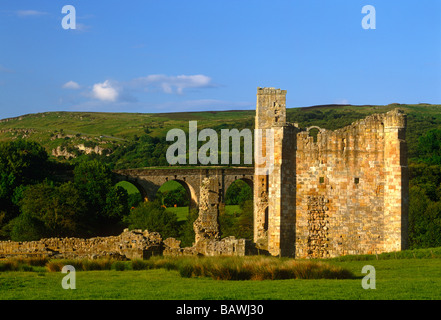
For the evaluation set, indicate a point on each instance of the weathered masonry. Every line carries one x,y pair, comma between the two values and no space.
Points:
343,192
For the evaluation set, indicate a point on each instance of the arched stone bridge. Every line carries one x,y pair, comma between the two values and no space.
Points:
149,180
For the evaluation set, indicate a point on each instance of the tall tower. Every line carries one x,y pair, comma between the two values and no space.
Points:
396,188
274,221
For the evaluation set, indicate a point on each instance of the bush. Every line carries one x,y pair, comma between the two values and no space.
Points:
138,264
57,265
58,211
22,264
187,232
153,217
98,264
238,192
27,228
120,266
258,268
173,197
424,220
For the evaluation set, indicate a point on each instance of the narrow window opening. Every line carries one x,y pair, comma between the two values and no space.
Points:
265,223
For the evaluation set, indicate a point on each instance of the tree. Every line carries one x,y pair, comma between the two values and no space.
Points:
27,161
27,228
417,206
429,147
134,200
153,217
176,196
117,206
55,211
94,180
238,192
187,236
424,220
432,238
22,162
246,220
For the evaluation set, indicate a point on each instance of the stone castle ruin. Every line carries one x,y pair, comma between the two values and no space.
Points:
341,192
345,192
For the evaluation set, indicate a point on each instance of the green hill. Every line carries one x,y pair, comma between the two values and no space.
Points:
120,138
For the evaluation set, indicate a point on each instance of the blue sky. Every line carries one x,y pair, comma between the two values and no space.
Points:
189,55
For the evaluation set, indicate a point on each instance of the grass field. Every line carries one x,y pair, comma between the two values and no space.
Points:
396,279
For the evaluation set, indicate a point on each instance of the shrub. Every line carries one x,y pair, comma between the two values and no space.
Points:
153,217
138,264
99,264
57,265
27,228
260,268
119,266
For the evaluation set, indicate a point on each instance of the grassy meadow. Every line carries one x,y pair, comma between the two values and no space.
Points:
398,277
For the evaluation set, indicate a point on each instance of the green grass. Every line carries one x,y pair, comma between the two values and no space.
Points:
170,186
180,212
233,210
130,188
396,280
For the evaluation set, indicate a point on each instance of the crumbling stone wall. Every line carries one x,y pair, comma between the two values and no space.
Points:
128,245
344,193
134,244
206,225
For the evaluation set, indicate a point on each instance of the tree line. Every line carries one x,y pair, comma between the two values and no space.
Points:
36,203
42,198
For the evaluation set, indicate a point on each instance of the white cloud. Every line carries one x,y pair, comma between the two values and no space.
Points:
122,92
71,85
173,84
105,91
30,13
81,27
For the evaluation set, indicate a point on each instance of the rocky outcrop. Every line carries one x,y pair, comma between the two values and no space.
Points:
62,152
88,150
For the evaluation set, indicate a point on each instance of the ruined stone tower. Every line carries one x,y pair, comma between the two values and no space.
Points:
343,192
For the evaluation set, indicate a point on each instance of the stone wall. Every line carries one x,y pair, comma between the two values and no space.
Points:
345,192
134,244
128,245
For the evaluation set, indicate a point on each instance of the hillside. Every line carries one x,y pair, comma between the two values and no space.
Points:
119,137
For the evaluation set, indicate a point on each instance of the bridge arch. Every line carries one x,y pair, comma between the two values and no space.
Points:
137,185
149,180
190,190
315,127
231,180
